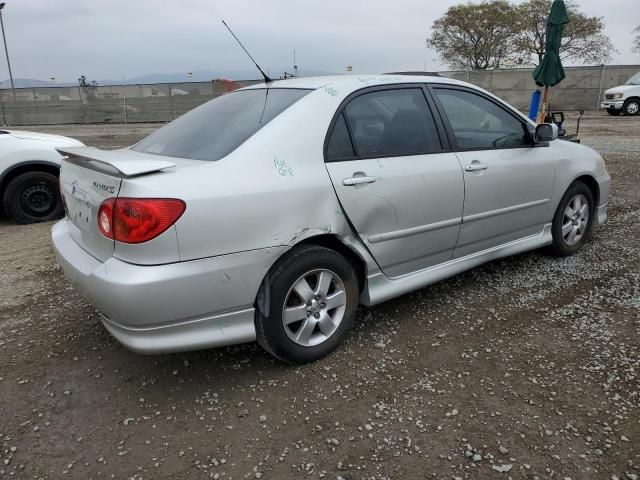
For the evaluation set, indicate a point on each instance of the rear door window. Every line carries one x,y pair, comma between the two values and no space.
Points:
340,146
387,123
218,127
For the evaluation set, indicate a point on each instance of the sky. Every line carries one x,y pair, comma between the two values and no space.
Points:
128,38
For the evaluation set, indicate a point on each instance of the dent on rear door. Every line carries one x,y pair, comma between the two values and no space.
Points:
409,218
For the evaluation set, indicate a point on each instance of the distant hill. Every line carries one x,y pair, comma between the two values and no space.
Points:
31,82
199,76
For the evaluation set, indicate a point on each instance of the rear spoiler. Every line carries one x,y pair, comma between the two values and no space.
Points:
128,163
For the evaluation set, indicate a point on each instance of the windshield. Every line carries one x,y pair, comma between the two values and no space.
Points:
216,128
635,80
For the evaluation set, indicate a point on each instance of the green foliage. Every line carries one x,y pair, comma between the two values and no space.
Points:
496,33
476,36
636,41
583,42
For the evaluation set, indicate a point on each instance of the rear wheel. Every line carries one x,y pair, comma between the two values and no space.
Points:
311,299
631,107
33,197
573,220
613,111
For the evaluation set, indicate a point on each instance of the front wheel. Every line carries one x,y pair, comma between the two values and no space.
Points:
307,305
631,107
33,197
572,220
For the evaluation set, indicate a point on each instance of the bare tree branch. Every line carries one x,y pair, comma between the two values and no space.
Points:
477,36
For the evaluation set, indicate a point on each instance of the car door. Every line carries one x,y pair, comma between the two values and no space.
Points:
508,180
397,183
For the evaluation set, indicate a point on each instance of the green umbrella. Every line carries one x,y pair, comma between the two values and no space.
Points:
550,71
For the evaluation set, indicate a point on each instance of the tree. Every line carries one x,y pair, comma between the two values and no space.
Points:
477,36
584,40
636,41
82,81
89,88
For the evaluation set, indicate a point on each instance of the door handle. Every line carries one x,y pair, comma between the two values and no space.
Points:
358,181
476,166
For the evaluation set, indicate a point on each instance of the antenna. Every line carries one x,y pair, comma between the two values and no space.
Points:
264,75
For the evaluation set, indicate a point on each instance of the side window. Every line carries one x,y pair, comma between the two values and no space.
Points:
479,123
392,122
339,146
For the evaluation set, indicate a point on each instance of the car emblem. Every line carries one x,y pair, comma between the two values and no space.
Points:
104,187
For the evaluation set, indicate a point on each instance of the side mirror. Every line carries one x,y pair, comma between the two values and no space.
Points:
545,132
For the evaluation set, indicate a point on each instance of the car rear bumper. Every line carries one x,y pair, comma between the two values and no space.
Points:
612,104
173,307
207,332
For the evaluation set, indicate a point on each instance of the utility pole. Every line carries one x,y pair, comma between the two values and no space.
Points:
6,51
295,66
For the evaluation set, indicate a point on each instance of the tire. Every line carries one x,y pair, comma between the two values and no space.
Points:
570,231
631,107
613,112
33,197
312,331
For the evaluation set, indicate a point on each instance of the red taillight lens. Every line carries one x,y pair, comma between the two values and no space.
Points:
137,220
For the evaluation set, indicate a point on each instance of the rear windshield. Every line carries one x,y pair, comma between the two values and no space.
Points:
218,127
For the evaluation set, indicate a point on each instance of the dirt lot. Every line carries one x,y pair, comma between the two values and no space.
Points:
525,368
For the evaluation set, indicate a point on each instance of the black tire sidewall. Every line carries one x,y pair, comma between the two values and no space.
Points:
270,330
559,246
13,207
626,105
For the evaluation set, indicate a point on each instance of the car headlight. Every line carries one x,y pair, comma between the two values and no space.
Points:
618,95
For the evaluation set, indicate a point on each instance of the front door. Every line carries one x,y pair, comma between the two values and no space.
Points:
508,181
402,193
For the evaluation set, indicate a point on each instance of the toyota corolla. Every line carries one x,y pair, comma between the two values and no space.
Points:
272,212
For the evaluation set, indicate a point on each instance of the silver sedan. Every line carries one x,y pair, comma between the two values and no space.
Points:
272,212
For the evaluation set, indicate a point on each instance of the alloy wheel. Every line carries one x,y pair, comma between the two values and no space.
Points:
575,220
314,307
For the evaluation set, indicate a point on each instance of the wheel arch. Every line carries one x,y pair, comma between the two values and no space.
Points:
593,186
26,167
334,242
328,240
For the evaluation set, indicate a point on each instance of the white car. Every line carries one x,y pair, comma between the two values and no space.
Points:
623,98
29,169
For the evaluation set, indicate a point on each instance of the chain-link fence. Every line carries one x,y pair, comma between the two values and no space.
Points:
162,102
159,102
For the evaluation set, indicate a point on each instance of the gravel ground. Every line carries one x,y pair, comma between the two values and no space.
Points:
523,368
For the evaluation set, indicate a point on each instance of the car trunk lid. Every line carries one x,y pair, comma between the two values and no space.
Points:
88,176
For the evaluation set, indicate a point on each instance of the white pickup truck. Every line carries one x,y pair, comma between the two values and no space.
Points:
623,99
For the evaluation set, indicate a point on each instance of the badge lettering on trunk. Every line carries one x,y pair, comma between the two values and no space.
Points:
102,186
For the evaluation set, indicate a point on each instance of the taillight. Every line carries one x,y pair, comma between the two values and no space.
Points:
105,217
137,220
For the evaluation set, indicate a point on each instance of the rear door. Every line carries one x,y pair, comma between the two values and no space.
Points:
508,181
400,187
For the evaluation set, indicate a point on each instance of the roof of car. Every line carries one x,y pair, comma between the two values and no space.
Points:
370,79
